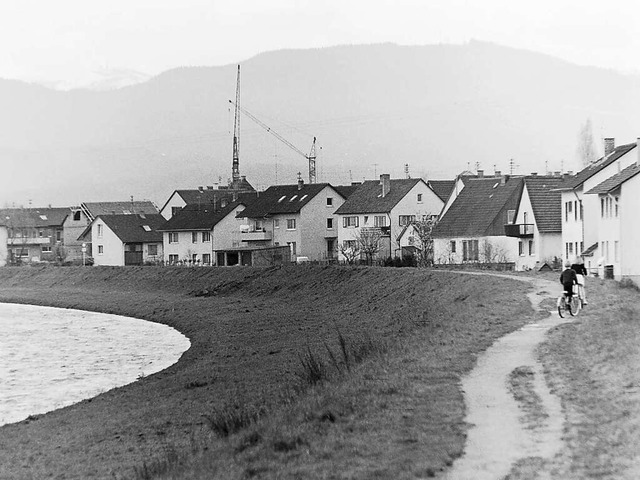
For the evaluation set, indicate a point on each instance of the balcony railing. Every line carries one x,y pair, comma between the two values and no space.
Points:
519,230
256,236
29,241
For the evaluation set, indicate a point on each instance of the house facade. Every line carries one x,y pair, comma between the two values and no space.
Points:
378,212
537,224
300,216
34,234
580,212
196,234
121,240
618,231
472,229
4,236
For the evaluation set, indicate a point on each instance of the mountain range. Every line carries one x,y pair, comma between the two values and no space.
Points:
440,109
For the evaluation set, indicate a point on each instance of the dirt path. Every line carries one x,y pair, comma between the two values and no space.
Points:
515,421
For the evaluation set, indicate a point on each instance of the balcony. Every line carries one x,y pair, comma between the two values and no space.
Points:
519,230
29,241
256,236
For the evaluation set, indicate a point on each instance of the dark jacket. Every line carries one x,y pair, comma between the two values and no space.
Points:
568,277
579,268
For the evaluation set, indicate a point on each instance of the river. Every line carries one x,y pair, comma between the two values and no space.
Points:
53,357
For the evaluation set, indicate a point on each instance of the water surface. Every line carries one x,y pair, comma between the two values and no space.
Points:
53,357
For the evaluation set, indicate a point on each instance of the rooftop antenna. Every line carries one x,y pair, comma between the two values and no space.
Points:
512,166
375,170
235,171
406,171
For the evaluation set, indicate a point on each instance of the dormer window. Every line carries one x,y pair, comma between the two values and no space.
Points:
282,198
147,228
293,198
303,197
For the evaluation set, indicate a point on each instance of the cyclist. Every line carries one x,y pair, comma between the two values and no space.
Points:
568,279
581,273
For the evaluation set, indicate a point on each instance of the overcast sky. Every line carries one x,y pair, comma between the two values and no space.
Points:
70,41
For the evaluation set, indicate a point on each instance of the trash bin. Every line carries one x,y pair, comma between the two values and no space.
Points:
608,272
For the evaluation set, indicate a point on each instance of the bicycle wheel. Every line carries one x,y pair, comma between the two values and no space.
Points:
574,306
562,304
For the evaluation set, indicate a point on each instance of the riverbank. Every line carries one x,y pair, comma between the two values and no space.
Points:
396,412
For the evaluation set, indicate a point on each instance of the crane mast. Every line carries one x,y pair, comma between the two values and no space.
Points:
312,154
235,171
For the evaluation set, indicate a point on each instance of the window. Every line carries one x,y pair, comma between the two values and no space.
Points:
531,248
40,233
100,228
175,210
366,220
616,206
206,258
206,237
470,250
511,216
194,237
602,207
46,249
616,251
152,249
348,244
521,248
292,247
570,250
146,228
194,258
173,237
348,222
173,259
329,223
76,216
291,223
100,249
419,198
59,235
452,246
380,221
21,252
276,223
406,220
568,209
329,201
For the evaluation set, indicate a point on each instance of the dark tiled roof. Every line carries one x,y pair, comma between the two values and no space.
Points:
118,208
34,217
198,217
130,228
211,196
546,201
615,181
280,199
480,208
346,190
586,173
368,197
442,188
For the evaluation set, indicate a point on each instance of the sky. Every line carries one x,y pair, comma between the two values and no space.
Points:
70,43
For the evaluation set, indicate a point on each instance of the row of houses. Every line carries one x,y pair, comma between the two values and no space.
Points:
522,221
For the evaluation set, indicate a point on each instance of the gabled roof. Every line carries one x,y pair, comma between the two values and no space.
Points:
346,190
368,197
135,228
476,210
94,209
210,196
280,199
34,217
615,181
586,173
198,217
546,201
442,188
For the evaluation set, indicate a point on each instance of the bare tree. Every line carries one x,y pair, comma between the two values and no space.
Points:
370,242
424,234
59,253
586,148
350,250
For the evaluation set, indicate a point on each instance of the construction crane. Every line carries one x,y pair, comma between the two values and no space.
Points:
312,154
235,172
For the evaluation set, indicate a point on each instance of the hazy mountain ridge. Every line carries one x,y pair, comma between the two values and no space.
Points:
438,108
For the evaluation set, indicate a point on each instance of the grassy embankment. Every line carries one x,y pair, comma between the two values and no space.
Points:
593,365
350,373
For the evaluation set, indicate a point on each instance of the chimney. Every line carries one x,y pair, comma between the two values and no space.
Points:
201,189
209,187
300,182
385,181
480,173
498,173
609,145
534,174
503,179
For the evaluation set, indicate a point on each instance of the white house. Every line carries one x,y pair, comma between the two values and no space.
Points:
4,236
580,212
300,216
197,234
386,206
472,229
537,224
616,223
131,239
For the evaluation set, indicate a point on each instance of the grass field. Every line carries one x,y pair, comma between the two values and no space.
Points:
301,372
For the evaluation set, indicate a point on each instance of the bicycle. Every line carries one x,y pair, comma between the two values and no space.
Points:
573,306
